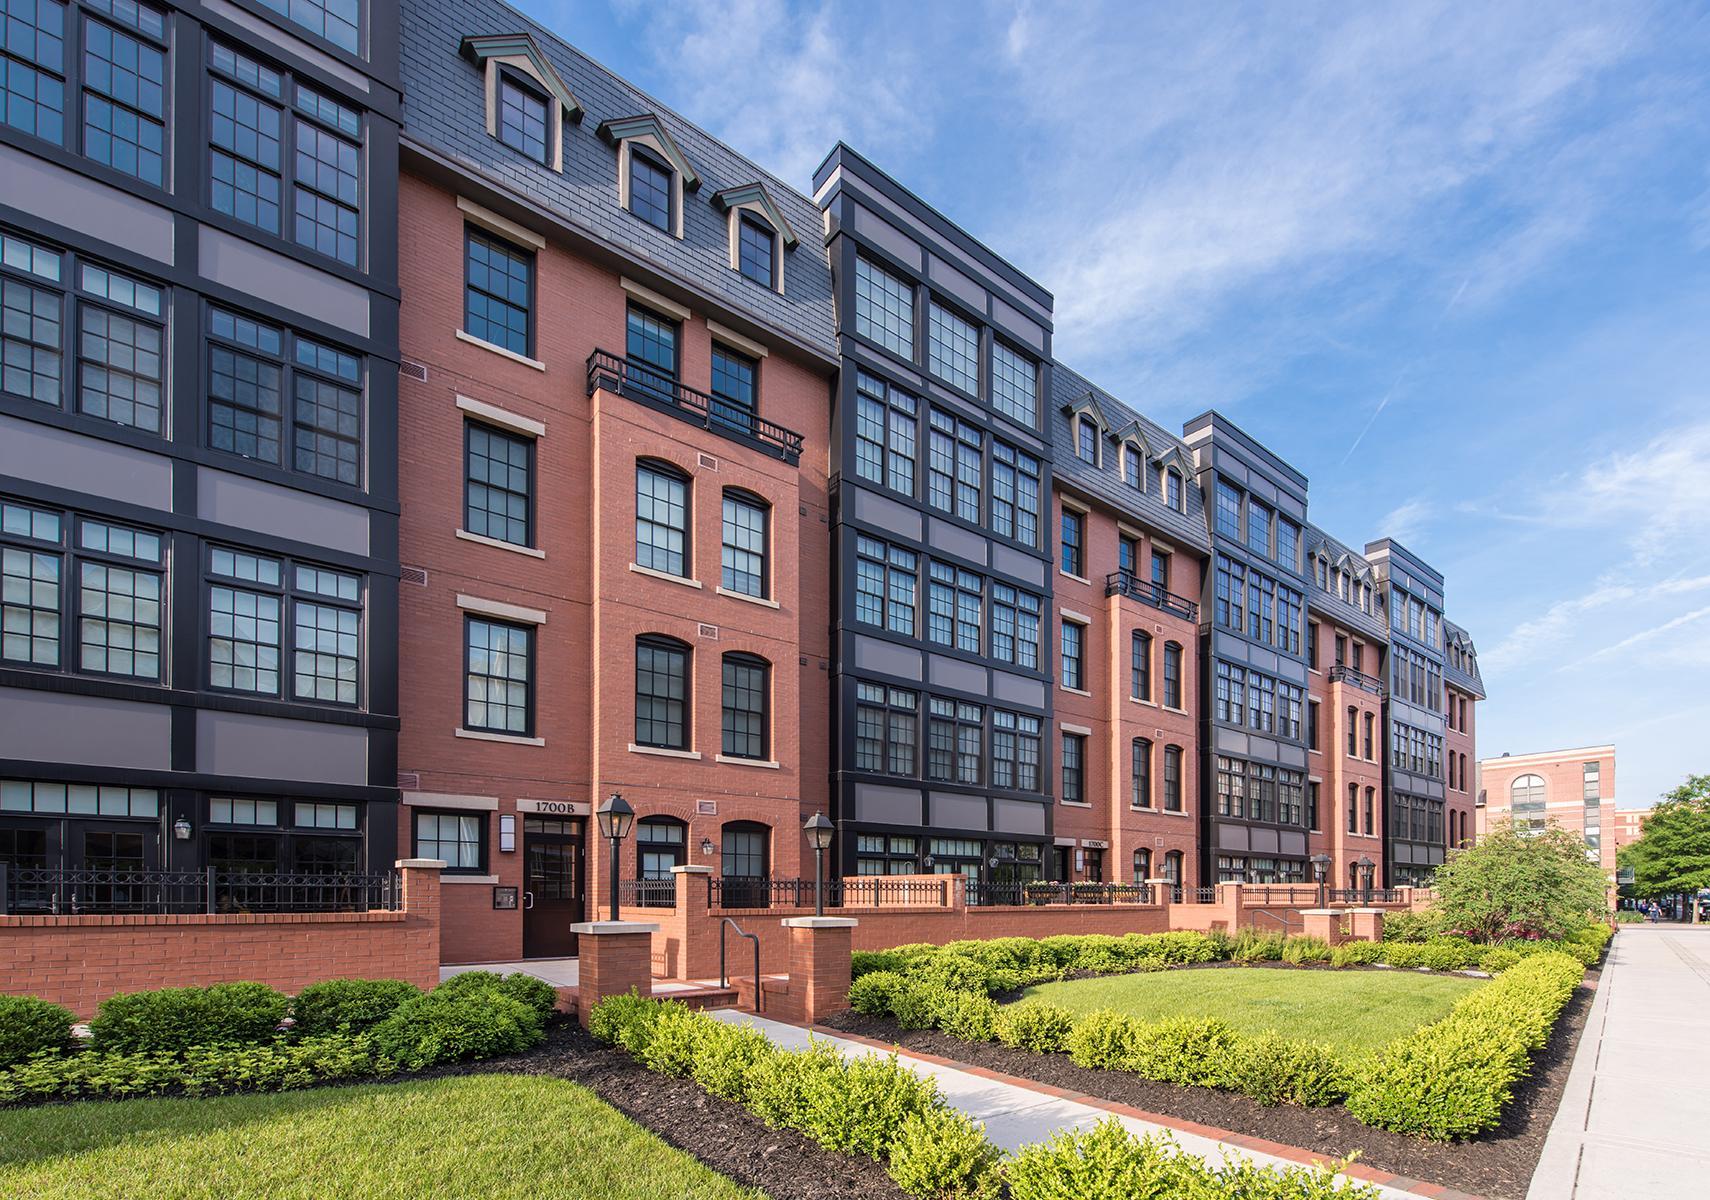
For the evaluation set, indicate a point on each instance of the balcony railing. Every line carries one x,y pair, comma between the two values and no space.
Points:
1126,583
863,891
1042,892
1341,673
65,891
647,386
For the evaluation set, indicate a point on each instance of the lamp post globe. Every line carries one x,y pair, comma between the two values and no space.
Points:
820,832
614,816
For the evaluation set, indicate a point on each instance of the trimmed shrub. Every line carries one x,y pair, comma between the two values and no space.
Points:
1350,954
442,1026
1034,1025
1497,959
1251,947
351,1005
1191,1051
1298,950
724,1057
866,962
951,973
916,1004
1453,1078
627,1021
673,1046
1595,935
871,994
1273,1069
1404,954
29,1026
1411,926
1587,955
1104,1040
539,995
1184,946
1449,954
939,1154
1628,916
174,1019
852,1105
968,1017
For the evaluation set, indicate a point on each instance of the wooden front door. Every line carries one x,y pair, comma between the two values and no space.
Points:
553,882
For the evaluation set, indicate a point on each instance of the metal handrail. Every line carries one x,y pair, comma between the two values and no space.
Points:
647,386
1342,673
724,975
1126,583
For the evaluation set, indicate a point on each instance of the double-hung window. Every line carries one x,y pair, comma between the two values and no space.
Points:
661,693
1015,626
1258,527
953,466
1073,648
1015,383
756,251
1015,751
885,585
522,116
498,292
955,735
124,88
1172,779
248,596
455,838
498,490
742,566
1074,768
253,367
733,389
1228,511
260,119
650,342
953,607
886,729
1140,770
884,308
1015,494
886,434
661,519
1074,539
649,188
499,673
746,702
1140,666
1133,467
338,21
1172,675
952,348
32,68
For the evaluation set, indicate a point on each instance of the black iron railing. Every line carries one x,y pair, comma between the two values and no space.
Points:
1375,895
1042,892
1342,673
1126,583
67,891
648,893
860,892
723,417
1187,895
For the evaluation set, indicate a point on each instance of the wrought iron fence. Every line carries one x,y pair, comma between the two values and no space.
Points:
1041,892
1342,673
648,893
864,891
1187,895
1126,583
647,386
69,891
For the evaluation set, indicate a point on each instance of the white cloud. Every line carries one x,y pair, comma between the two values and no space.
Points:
1406,521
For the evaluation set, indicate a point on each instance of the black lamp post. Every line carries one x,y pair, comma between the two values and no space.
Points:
1367,866
615,816
1320,868
819,831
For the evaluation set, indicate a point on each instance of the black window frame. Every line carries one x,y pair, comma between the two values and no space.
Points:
531,635
734,407
752,230
1140,768
684,654
473,234
527,90
1074,767
742,498
672,473
1173,696
288,592
1072,656
742,660
1172,778
1073,559
510,438
890,709
481,838
651,377
645,159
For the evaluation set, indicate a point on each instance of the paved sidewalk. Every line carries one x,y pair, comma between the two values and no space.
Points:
1018,1112
1635,1118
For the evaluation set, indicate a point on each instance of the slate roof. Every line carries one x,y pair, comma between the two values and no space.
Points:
1068,388
1326,601
445,108
1468,681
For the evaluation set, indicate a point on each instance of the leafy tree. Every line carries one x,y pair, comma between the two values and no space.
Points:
1511,884
1672,855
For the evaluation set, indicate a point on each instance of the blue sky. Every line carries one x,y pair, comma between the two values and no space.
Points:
1451,261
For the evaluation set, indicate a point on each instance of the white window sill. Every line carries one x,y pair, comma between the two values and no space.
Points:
1147,703
1076,578
481,735
498,544
680,580
1062,687
745,597
1174,709
501,351
447,877
1075,803
662,752
745,762
1319,753
1170,812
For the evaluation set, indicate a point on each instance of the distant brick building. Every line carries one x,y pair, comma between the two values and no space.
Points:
1573,788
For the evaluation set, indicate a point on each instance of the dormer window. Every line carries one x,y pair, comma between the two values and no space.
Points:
1133,467
1173,489
522,116
650,189
1086,441
756,255
653,176
527,101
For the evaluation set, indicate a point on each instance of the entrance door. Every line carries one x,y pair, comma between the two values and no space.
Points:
113,860
552,886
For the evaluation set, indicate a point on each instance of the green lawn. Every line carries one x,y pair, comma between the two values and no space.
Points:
1351,1010
482,1135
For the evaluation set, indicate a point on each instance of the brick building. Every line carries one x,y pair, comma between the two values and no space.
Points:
1574,788
638,472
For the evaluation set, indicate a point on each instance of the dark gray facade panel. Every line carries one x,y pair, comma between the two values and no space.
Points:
1025,817
291,284
56,727
886,658
954,810
955,675
280,748
261,507
878,805
99,469
54,193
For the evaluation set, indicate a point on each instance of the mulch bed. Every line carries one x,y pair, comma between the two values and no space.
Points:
722,1134
1497,1164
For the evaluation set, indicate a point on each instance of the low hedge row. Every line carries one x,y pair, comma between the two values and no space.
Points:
877,1108
1453,1078
231,1037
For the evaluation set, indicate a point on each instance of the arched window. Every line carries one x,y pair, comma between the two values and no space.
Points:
1142,865
661,518
747,706
1173,866
1141,753
1172,779
660,844
742,565
1527,792
744,864
1140,666
1172,675
661,692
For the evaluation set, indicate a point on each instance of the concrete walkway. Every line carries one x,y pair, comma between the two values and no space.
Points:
1019,1112
1635,1119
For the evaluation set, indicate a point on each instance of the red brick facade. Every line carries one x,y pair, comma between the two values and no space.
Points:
1346,762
